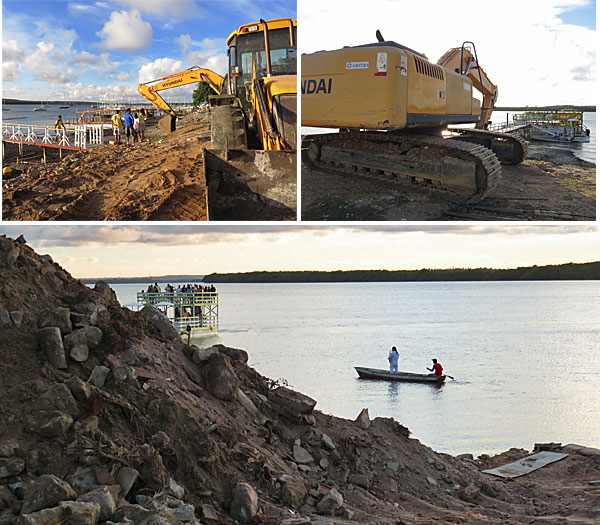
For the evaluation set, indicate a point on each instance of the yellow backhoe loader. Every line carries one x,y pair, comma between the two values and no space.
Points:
251,167
385,86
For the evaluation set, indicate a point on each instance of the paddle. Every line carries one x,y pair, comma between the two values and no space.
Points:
447,375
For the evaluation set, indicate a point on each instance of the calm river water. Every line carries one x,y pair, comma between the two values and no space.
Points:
524,354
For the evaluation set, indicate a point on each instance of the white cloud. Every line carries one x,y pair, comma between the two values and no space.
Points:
126,31
209,53
11,51
524,47
161,67
160,7
85,59
10,71
41,61
184,41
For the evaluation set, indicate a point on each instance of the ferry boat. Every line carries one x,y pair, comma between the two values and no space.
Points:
555,126
195,312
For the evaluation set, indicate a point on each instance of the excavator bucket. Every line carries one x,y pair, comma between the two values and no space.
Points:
250,185
167,124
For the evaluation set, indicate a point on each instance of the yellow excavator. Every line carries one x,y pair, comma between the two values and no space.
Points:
251,166
150,90
385,86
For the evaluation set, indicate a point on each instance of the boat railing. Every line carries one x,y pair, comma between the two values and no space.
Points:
205,322
179,298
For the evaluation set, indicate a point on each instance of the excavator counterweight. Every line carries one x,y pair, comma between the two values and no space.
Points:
385,86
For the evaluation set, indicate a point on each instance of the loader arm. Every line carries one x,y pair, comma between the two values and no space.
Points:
462,60
149,90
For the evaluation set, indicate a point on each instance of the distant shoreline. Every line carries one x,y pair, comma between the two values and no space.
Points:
590,109
559,272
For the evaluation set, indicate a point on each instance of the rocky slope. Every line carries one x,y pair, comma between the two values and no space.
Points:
108,417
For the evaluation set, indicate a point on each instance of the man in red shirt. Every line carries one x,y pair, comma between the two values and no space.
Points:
436,368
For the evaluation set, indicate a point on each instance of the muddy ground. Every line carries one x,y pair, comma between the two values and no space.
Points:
175,434
552,184
161,180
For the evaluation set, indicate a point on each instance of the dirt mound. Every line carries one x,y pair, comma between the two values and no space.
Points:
108,416
163,180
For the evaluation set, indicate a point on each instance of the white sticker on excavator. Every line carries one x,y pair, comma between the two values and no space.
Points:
382,62
403,65
467,86
357,65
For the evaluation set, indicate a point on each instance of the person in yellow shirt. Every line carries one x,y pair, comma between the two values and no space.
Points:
117,126
59,127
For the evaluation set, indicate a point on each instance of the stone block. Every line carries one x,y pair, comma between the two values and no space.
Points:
126,477
244,504
50,342
10,467
52,424
46,491
4,318
99,375
60,317
104,499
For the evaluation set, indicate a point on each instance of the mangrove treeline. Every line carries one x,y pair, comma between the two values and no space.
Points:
571,271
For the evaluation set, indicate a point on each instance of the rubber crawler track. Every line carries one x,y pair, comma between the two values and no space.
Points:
425,147
519,144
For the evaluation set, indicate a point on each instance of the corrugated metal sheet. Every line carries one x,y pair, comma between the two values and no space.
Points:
526,465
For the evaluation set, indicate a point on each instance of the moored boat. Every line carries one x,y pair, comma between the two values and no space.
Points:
555,126
195,311
407,377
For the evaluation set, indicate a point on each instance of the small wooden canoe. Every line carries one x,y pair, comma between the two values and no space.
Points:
407,377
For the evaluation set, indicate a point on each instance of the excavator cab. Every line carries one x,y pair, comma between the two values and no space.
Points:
248,46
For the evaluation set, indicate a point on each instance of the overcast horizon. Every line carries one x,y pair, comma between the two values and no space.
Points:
109,251
538,53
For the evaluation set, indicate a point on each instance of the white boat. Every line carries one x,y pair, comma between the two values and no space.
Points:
41,107
4,106
555,126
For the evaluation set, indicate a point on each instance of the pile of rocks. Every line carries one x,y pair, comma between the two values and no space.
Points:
109,418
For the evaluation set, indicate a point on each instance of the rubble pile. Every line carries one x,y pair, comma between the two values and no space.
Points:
108,417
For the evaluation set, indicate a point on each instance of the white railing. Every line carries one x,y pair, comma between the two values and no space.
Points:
76,137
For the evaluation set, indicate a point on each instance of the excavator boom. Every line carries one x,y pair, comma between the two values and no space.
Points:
463,61
149,90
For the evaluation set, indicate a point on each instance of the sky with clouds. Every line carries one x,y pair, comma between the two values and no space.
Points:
152,250
538,52
100,50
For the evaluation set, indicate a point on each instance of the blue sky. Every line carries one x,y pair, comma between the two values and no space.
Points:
100,50
580,16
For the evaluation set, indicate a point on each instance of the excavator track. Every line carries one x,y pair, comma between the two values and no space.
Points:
445,165
508,147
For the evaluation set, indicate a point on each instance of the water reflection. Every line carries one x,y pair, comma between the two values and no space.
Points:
393,388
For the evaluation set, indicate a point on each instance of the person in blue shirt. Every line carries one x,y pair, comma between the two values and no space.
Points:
393,359
129,131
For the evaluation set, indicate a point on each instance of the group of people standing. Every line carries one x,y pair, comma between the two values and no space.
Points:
132,125
436,369
185,288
